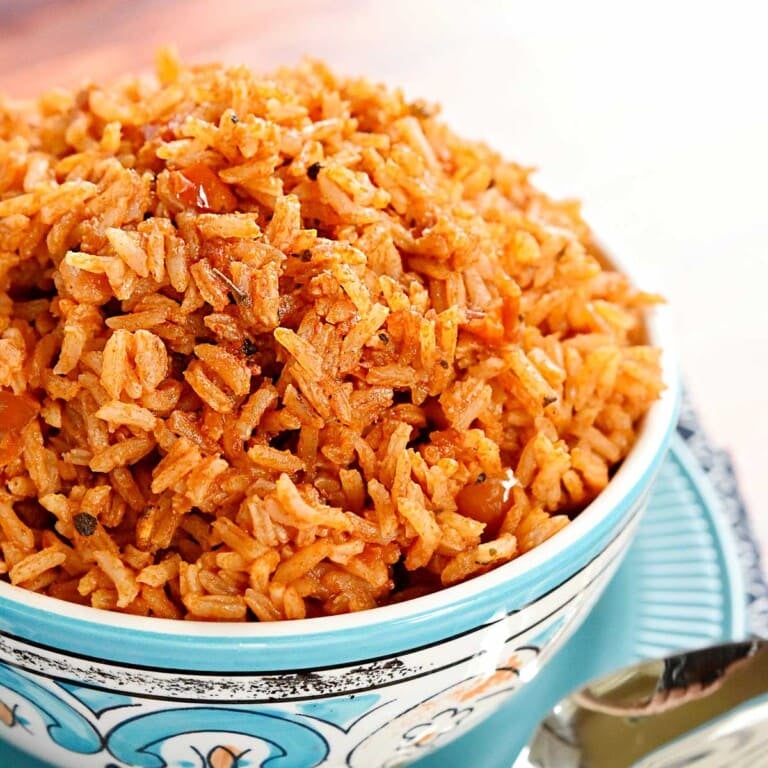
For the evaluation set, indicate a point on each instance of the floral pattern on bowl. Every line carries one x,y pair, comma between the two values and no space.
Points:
81,712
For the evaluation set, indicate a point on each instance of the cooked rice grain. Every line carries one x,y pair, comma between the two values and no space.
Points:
275,348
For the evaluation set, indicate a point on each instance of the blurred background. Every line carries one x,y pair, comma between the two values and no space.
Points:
654,114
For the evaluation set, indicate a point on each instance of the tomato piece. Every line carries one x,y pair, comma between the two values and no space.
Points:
204,190
484,501
10,448
16,411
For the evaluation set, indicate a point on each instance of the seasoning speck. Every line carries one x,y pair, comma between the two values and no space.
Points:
444,364
249,347
383,336
85,524
237,295
234,118
306,255
481,478
549,400
313,171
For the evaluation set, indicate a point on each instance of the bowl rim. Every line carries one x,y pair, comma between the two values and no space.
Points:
645,455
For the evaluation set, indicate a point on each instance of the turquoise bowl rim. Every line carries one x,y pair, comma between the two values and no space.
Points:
331,641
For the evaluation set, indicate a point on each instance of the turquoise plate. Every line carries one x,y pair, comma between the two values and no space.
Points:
680,587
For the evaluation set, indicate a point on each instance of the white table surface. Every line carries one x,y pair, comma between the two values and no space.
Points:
655,114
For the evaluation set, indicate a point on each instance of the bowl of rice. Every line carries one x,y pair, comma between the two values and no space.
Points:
321,427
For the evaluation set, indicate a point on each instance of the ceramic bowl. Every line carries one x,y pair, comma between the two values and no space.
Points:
82,688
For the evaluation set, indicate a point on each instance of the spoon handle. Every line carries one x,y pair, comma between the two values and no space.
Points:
704,708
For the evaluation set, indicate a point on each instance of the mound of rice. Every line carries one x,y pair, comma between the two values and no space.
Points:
274,348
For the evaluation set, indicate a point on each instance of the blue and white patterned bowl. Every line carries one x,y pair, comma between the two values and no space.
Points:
82,688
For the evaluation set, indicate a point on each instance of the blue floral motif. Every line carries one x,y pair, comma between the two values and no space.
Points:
292,744
220,757
66,727
96,700
342,713
10,717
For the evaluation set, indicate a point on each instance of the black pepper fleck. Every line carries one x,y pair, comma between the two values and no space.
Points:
444,364
481,478
313,171
400,576
85,524
306,255
249,347
234,118
549,400
383,336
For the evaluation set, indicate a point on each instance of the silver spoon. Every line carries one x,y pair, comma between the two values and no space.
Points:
704,708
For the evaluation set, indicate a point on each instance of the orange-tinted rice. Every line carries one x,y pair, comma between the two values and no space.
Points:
283,347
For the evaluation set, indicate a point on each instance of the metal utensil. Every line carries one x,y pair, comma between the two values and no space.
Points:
704,708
